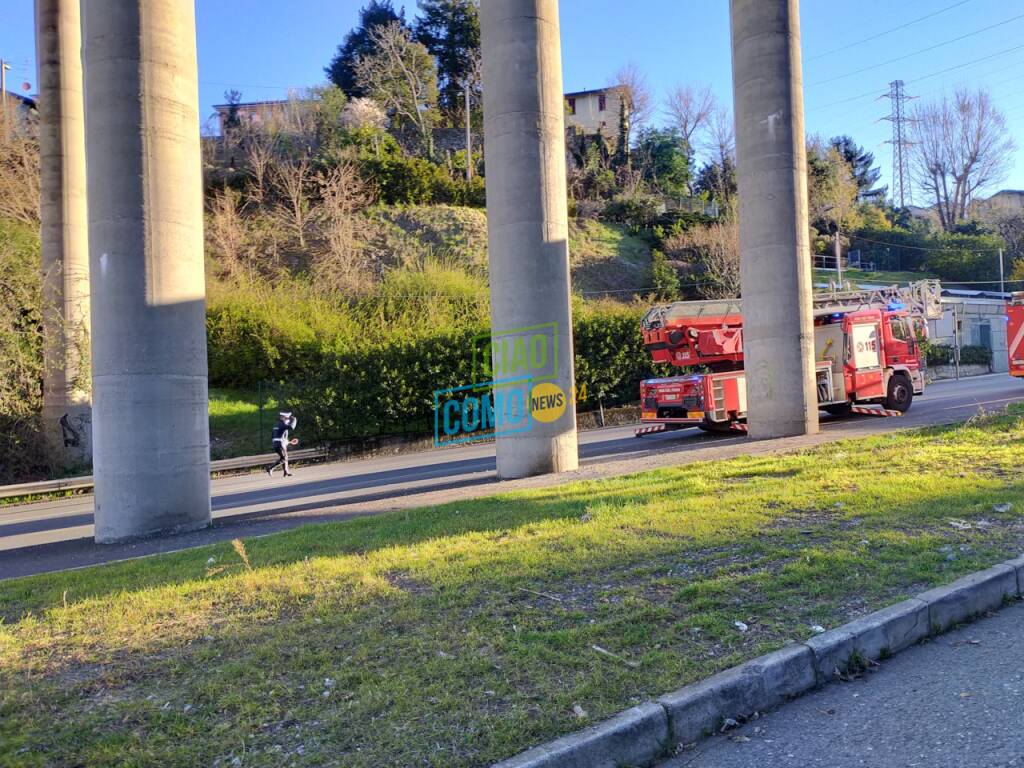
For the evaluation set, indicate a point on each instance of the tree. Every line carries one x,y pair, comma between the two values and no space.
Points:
450,30
690,110
19,173
363,113
232,98
339,267
718,177
631,85
831,188
292,177
714,253
359,43
962,145
402,77
664,156
259,157
718,181
864,171
225,229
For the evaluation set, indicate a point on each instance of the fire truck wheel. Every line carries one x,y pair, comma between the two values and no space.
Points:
839,409
900,394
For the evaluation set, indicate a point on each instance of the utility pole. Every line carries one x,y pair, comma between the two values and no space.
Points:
469,133
839,260
1002,285
4,66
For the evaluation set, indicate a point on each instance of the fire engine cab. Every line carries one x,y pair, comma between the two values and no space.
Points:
866,349
1015,332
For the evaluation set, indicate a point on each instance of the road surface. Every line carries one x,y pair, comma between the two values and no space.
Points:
52,535
954,702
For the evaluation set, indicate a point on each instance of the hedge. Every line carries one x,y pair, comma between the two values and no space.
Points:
389,388
970,354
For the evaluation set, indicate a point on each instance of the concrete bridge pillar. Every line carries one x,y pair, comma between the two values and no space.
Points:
527,217
64,233
150,425
775,272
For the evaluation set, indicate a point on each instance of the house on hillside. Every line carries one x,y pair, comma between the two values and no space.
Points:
23,110
255,114
1003,201
594,111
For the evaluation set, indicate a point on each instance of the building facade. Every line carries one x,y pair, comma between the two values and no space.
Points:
976,318
594,111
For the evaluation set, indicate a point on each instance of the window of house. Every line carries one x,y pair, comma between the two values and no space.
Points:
572,106
602,102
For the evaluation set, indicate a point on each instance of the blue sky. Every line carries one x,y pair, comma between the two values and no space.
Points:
254,47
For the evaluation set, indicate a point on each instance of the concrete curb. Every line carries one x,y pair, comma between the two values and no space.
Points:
645,733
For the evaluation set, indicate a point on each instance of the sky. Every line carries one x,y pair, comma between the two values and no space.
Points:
850,56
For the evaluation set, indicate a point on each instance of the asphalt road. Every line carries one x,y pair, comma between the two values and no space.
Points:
57,534
955,702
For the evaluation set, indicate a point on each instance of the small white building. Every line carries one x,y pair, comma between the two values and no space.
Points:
971,317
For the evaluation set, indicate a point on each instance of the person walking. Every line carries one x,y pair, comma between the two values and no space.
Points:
279,437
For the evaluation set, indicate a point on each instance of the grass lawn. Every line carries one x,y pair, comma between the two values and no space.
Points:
235,423
460,634
872,278
605,257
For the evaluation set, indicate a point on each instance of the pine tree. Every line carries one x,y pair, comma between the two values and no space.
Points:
450,29
358,42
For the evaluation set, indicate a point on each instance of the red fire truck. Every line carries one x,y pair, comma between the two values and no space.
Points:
1015,332
865,343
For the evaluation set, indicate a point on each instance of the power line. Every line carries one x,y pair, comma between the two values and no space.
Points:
919,52
921,248
888,31
928,76
249,85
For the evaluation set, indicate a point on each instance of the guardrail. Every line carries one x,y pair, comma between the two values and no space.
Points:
221,465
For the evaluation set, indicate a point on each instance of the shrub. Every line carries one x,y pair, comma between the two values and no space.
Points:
22,451
970,354
637,211
663,276
404,180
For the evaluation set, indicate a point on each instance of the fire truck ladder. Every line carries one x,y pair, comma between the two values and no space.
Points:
919,298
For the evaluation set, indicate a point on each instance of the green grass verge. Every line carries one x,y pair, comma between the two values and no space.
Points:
235,425
459,634
872,278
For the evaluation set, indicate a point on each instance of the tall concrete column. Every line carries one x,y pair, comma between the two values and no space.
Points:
150,429
775,270
527,217
64,233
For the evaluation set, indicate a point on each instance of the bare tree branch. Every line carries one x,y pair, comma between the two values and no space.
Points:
690,110
962,145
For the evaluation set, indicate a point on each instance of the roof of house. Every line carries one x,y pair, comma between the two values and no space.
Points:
965,293
592,92
268,103
28,101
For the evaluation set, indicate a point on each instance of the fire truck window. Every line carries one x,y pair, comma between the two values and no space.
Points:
899,329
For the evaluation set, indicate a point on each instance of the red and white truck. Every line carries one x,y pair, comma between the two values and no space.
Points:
1015,333
866,345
